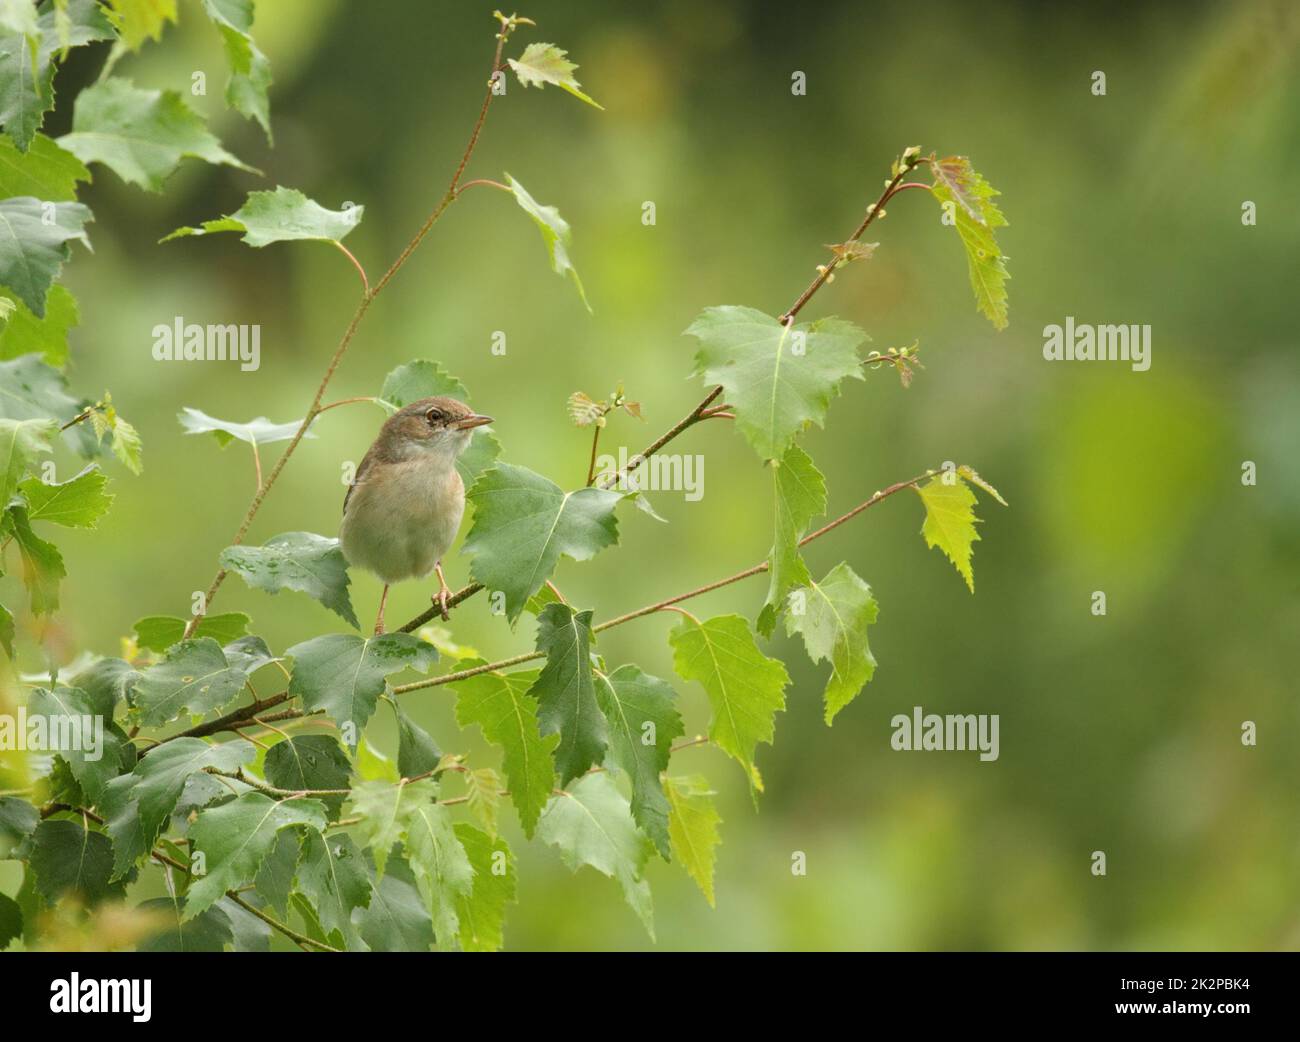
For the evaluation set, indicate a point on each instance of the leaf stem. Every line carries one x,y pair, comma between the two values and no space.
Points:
365,282
486,182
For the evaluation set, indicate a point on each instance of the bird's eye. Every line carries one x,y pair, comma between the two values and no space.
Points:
435,416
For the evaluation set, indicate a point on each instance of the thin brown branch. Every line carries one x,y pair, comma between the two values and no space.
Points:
591,467
365,282
668,603
448,198
698,414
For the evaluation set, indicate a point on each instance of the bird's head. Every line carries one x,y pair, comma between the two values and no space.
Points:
441,426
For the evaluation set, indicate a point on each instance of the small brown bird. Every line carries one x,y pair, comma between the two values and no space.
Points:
404,506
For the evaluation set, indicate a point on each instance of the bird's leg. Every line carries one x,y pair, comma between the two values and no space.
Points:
383,600
444,591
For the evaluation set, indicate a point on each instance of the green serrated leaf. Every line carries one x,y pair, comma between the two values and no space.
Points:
565,692
523,523
34,243
746,688
693,827
950,522
209,932
285,215
274,879
21,441
137,805
976,216
160,632
484,785
193,678
643,722
45,170
591,824
778,379
543,63
332,876
25,334
235,837
555,233
301,561
310,761
481,913
396,919
250,72
344,674
71,860
799,491
384,810
441,867
91,746
27,62
141,135
32,390
42,563
141,20
833,623
507,715
417,752
258,431
76,503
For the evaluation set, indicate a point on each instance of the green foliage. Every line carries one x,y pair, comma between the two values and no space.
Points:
45,170
343,674
28,52
555,233
302,561
250,71
141,135
543,63
141,20
566,692
258,431
195,676
138,805
78,502
780,378
746,688
643,721
34,243
693,827
234,838
833,617
976,217
523,522
336,843
590,823
284,215
799,491
160,632
505,711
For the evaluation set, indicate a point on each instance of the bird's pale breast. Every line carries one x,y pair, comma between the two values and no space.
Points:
402,517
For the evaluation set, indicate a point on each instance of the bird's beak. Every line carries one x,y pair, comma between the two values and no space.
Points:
472,421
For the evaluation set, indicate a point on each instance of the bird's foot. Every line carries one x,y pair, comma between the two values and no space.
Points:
443,595
440,599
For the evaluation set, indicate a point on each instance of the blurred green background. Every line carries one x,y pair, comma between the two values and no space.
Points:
1119,733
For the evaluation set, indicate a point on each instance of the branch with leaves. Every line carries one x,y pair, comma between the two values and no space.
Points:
271,811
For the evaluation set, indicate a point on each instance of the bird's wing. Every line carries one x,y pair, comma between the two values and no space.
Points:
367,461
